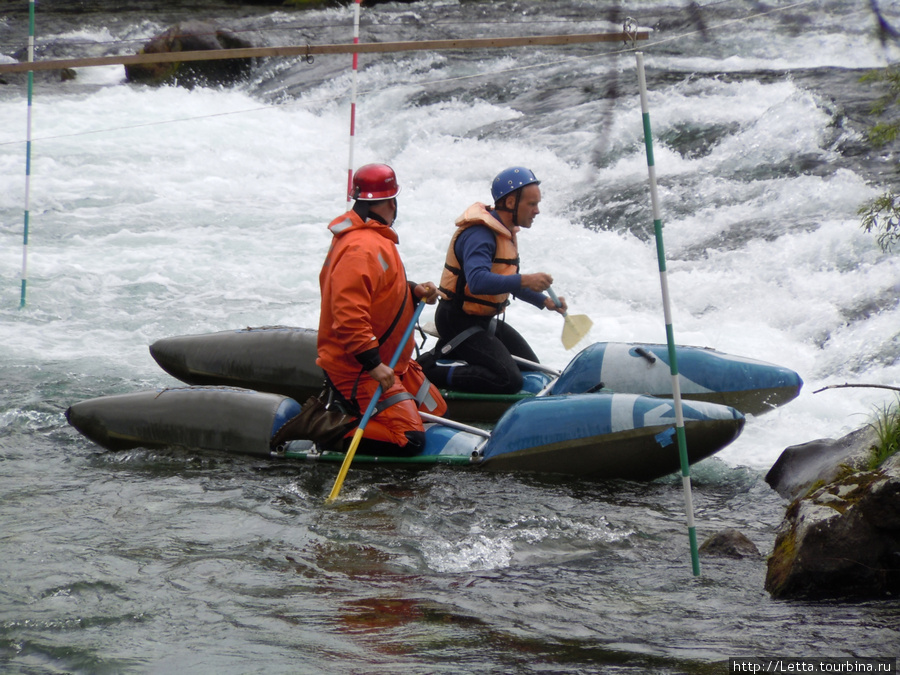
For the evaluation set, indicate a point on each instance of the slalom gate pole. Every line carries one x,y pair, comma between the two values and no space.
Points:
370,410
670,336
353,100
28,154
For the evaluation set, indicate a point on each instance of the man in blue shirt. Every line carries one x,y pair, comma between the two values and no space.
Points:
481,272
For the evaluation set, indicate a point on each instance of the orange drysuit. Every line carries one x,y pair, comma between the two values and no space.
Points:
364,287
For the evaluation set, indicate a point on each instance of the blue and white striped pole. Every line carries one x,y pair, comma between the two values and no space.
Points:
670,335
28,153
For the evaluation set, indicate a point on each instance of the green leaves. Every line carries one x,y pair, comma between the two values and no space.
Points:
882,215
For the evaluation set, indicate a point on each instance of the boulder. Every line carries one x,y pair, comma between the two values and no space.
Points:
801,466
729,543
841,533
192,36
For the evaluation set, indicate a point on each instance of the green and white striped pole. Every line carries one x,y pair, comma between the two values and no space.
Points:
670,335
28,152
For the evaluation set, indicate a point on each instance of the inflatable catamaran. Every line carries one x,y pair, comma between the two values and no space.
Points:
603,435
282,360
606,415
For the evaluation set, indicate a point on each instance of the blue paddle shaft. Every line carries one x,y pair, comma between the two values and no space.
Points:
357,436
393,362
554,297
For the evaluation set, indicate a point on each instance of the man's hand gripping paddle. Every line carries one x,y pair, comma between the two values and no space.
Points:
575,327
357,437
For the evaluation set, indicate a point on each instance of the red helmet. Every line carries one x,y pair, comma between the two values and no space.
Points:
374,182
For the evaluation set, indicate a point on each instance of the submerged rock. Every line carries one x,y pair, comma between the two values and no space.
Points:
729,543
841,533
192,36
20,79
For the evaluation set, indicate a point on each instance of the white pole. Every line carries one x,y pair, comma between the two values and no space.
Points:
670,335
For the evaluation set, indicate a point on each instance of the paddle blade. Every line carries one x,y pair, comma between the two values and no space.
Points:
574,329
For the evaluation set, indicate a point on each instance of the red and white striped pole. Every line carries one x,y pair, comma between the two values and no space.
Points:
353,101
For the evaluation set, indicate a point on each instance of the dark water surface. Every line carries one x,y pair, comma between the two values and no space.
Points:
178,562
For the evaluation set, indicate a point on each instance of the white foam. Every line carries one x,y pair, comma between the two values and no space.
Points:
159,212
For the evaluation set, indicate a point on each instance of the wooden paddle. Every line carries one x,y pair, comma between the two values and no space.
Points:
357,437
575,327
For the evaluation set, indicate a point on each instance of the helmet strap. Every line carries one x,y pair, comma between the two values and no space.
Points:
361,208
364,209
501,206
515,210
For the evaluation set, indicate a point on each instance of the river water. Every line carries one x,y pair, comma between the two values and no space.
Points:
158,212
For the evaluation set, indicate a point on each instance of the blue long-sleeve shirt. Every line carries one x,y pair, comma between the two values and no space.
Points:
476,248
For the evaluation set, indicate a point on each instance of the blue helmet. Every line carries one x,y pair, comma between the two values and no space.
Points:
510,180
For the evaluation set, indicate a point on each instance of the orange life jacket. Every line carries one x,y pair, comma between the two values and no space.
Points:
505,261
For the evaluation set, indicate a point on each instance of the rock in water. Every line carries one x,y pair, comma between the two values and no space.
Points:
842,539
801,466
192,36
729,543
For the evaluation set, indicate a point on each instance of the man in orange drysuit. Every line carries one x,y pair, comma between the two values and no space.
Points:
367,303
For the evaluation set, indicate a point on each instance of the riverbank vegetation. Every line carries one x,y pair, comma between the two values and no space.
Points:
886,423
882,214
